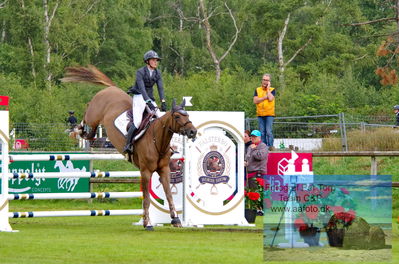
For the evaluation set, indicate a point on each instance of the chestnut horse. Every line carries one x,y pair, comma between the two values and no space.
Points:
151,153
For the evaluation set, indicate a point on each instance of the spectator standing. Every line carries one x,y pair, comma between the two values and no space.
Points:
71,120
264,98
256,156
247,140
256,161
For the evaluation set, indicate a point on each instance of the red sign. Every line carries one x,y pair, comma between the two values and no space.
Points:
4,101
21,144
279,164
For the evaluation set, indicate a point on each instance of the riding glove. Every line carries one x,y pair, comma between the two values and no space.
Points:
150,105
163,107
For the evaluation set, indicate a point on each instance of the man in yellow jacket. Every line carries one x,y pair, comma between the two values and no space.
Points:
265,109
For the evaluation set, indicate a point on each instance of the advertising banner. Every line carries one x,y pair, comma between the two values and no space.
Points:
48,185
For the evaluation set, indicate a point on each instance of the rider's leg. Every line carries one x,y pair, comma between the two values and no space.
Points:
138,109
128,147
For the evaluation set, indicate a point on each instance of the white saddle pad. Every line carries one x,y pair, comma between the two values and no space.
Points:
121,123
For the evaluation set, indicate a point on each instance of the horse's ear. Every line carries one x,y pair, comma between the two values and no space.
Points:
174,103
183,104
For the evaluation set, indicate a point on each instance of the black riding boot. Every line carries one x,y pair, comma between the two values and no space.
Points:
128,146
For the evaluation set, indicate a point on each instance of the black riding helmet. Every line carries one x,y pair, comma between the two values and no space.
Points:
396,107
71,112
151,55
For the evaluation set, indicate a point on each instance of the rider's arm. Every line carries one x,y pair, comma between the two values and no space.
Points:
160,86
140,83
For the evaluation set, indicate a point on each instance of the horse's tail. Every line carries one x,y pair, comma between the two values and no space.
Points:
89,75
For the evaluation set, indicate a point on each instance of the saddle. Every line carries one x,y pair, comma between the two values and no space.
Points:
148,117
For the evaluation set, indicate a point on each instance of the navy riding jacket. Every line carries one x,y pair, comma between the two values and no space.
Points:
144,84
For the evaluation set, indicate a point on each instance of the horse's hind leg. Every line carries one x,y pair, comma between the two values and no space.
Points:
145,186
164,179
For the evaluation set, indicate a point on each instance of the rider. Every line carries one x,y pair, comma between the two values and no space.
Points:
143,94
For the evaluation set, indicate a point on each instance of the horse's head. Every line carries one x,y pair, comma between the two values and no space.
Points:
181,123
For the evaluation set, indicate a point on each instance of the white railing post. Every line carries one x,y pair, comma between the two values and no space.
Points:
4,141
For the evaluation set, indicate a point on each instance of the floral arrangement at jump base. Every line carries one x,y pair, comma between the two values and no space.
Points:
317,204
254,194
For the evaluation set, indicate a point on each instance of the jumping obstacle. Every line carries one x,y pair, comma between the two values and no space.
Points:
5,197
88,195
202,193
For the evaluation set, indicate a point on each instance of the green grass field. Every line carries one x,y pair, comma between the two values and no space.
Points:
114,239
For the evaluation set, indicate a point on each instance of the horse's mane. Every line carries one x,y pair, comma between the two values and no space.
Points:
89,75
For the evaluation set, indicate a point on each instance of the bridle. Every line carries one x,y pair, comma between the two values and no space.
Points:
183,113
164,150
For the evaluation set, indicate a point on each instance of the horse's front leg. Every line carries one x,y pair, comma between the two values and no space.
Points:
164,179
145,181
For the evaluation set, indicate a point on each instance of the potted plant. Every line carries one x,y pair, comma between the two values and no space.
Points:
254,193
317,204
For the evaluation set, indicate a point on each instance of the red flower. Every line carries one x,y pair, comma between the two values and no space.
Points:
346,217
254,196
312,211
268,203
345,191
261,182
300,224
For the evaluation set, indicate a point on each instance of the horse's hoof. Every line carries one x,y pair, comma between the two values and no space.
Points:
176,222
149,228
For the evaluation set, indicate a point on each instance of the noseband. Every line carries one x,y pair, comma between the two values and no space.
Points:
184,113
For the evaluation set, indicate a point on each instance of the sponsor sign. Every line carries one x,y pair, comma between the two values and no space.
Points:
48,185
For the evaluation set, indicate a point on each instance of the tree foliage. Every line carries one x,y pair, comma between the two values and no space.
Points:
339,69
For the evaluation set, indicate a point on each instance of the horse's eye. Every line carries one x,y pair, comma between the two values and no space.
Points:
177,117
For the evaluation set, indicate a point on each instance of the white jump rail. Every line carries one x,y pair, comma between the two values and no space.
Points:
50,157
75,213
85,195
79,174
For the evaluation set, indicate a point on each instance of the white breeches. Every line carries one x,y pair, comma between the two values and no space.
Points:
138,109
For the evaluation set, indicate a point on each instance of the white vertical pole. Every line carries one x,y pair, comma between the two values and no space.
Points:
4,140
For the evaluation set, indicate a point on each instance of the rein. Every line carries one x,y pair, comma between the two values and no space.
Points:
165,149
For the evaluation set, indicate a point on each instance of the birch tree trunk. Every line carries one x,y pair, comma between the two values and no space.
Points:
31,50
204,19
47,24
281,64
3,30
